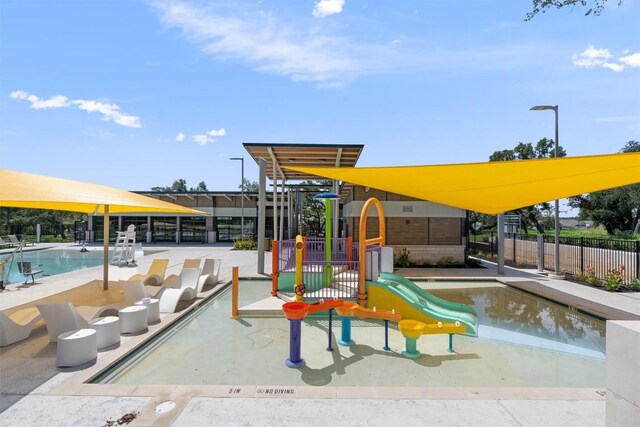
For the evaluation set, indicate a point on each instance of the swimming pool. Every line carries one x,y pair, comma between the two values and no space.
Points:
211,348
58,261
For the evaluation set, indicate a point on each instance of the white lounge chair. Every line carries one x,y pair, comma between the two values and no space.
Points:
15,241
210,272
134,291
3,243
64,316
28,271
17,327
173,281
156,273
186,292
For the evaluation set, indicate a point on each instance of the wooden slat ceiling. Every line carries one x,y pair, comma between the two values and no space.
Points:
303,155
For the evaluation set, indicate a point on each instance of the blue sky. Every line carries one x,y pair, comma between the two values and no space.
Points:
135,94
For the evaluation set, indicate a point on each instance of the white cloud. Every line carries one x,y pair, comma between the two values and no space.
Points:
613,66
180,137
110,112
272,46
58,101
396,42
590,57
632,61
209,137
327,7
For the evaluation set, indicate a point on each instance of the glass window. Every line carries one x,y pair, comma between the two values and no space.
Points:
164,228
229,228
193,229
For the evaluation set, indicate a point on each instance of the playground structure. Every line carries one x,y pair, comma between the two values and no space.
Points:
360,271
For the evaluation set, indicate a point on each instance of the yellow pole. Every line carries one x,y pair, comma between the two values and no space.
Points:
299,256
234,291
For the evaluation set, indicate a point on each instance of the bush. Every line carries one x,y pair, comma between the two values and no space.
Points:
635,285
402,260
245,245
590,277
613,279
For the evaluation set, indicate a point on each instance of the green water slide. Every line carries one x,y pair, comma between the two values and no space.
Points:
456,306
426,304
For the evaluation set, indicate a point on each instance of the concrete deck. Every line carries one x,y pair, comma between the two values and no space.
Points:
34,392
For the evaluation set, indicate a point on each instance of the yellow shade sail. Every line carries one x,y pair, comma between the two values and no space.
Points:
495,187
25,190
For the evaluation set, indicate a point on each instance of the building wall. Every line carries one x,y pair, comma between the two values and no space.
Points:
428,232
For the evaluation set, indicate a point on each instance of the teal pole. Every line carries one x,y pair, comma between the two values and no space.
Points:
345,338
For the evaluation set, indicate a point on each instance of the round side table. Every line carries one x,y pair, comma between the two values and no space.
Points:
107,330
153,309
133,319
76,347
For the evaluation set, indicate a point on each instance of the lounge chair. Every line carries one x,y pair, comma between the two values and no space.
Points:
27,271
14,240
134,291
186,292
64,316
155,275
210,272
17,327
173,281
3,243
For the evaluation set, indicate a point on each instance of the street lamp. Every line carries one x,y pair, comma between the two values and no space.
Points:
557,273
241,201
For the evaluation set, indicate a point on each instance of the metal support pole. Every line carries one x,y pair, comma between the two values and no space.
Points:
501,244
294,360
262,208
329,348
386,336
450,343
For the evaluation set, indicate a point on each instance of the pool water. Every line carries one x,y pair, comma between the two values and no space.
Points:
213,349
56,261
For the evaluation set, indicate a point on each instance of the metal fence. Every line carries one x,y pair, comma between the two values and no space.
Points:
322,278
578,255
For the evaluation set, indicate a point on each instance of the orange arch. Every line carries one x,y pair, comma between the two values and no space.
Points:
362,292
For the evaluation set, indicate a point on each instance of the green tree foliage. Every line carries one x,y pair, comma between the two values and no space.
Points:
180,186
618,209
593,7
313,213
24,221
537,214
250,186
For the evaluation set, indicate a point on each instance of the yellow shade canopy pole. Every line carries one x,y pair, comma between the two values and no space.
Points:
105,256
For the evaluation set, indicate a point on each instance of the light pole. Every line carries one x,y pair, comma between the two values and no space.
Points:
557,274
242,195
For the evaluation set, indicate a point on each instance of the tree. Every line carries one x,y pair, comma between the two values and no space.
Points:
313,214
617,209
543,149
180,186
594,7
250,186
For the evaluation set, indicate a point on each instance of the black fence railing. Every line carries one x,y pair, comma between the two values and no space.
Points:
578,255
